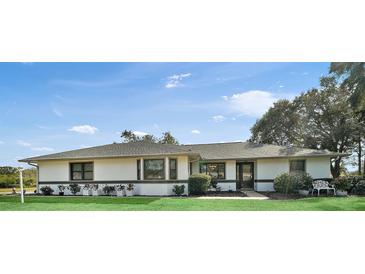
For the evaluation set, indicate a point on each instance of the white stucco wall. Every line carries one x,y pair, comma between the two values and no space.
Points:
319,167
53,171
270,168
115,169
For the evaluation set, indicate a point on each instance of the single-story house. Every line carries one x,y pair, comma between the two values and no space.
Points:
155,168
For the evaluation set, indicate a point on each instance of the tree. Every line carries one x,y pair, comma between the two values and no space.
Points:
167,138
319,118
129,137
279,125
353,75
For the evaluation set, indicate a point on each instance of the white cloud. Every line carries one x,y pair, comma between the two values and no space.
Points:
218,118
195,131
23,144
84,129
140,133
233,118
252,103
175,80
42,149
281,86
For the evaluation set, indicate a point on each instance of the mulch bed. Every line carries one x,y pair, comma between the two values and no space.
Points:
223,194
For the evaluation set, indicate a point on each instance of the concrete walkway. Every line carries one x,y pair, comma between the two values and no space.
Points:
251,195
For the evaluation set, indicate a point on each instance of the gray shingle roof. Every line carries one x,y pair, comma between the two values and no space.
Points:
223,151
116,150
247,150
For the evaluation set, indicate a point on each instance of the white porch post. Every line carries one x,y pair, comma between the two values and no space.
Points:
21,185
142,169
167,168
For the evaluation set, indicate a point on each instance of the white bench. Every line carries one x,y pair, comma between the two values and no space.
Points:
321,184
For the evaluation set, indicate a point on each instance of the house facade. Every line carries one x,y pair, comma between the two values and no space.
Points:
155,168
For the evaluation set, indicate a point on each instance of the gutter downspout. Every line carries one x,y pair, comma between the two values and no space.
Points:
37,178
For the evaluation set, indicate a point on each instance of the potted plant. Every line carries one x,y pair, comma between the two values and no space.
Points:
85,190
46,190
108,190
129,189
61,190
342,185
95,190
74,188
120,190
178,189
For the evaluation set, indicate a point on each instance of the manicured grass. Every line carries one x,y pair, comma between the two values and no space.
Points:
177,204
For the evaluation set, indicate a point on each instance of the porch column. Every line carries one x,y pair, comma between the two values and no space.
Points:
167,168
142,169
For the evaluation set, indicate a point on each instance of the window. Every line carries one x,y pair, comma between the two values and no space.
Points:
191,168
216,170
173,169
138,169
154,169
297,166
82,171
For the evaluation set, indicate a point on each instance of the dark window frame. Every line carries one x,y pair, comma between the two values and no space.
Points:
191,168
154,179
138,169
176,163
297,160
83,171
213,163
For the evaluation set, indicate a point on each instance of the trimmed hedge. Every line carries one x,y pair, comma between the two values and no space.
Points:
199,184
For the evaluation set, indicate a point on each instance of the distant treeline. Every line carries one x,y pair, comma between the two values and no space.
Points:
9,177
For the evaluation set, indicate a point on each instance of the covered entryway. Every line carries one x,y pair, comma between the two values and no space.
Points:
244,175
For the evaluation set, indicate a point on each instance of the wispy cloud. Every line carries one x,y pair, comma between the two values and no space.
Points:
1,142
195,131
176,79
57,112
252,103
23,143
218,118
46,149
140,133
29,145
84,129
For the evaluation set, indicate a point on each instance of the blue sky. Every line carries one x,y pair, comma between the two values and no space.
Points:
51,107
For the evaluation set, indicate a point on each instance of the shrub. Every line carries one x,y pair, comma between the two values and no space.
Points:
179,190
291,183
302,180
359,187
198,184
342,183
120,187
46,190
74,188
108,190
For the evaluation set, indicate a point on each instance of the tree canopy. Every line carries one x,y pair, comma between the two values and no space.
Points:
167,138
319,119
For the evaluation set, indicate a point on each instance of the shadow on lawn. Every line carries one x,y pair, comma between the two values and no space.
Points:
84,200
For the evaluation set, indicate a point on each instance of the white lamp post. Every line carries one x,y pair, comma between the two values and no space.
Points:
21,185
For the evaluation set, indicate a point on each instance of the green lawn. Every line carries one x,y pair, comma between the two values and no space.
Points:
151,203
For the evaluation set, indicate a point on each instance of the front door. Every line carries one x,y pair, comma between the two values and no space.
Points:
245,175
